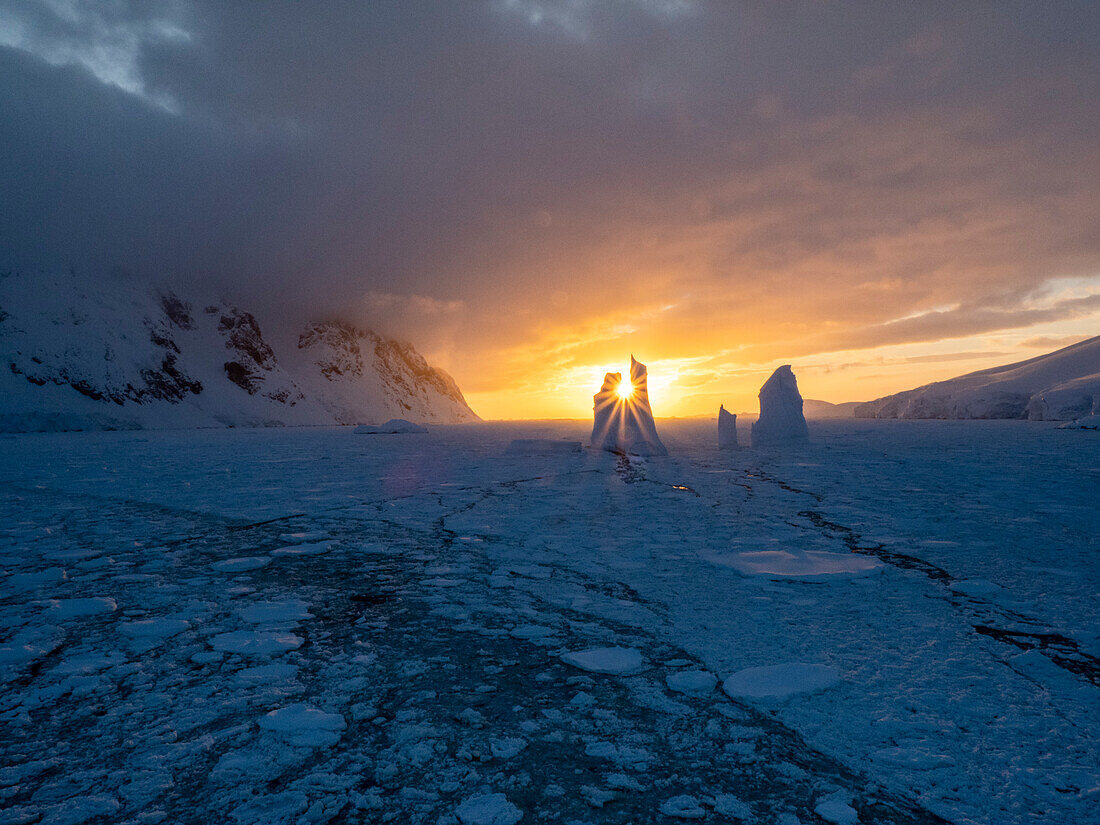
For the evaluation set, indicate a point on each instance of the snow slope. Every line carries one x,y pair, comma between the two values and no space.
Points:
814,409
1059,386
110,355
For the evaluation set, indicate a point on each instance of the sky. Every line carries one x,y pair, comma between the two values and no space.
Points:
530,191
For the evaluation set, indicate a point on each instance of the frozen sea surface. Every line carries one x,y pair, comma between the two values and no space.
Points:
305,626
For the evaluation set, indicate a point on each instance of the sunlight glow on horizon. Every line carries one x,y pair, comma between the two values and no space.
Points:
695,386
558,374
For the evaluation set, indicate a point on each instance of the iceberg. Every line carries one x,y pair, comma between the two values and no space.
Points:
1089,422
781,420
624,423
727,429
395,426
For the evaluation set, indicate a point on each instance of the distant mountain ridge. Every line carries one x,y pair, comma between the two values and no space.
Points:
109,356
825,409
1060,386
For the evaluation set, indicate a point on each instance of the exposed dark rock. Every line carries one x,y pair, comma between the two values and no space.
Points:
162,340
240,375
178,311
85,388
254,356
345,358
242,333
168,383
403,359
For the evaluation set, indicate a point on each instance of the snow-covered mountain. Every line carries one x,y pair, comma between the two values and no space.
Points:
814,409
108,355
1060,386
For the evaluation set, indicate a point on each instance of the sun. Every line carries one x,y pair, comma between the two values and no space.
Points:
625,390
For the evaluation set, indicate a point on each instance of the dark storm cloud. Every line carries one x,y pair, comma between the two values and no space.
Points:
526,163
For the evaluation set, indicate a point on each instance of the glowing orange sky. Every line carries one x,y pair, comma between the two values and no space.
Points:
697,386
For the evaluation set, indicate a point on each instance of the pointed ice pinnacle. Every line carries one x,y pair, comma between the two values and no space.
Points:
781,420
625,425
727,429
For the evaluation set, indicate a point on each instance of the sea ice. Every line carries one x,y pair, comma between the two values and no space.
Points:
36,578
85,663
780,681
395,426
616,661
488,809
267,673
285,806
151,629
318,548
256,642
77,810
589,561
781,420
299,537
304,726
505,747
625,425
978,588
726,804
541,446
29,644
808,565
683,807
622,782
241,564
75,608
531,631
727,429
596,797
915,759
692,682
284,612
837,811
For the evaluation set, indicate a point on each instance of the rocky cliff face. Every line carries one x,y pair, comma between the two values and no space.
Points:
360,369
91,356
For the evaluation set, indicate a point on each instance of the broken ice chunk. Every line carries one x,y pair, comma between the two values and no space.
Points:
780,681
304,726
488,809
616,661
